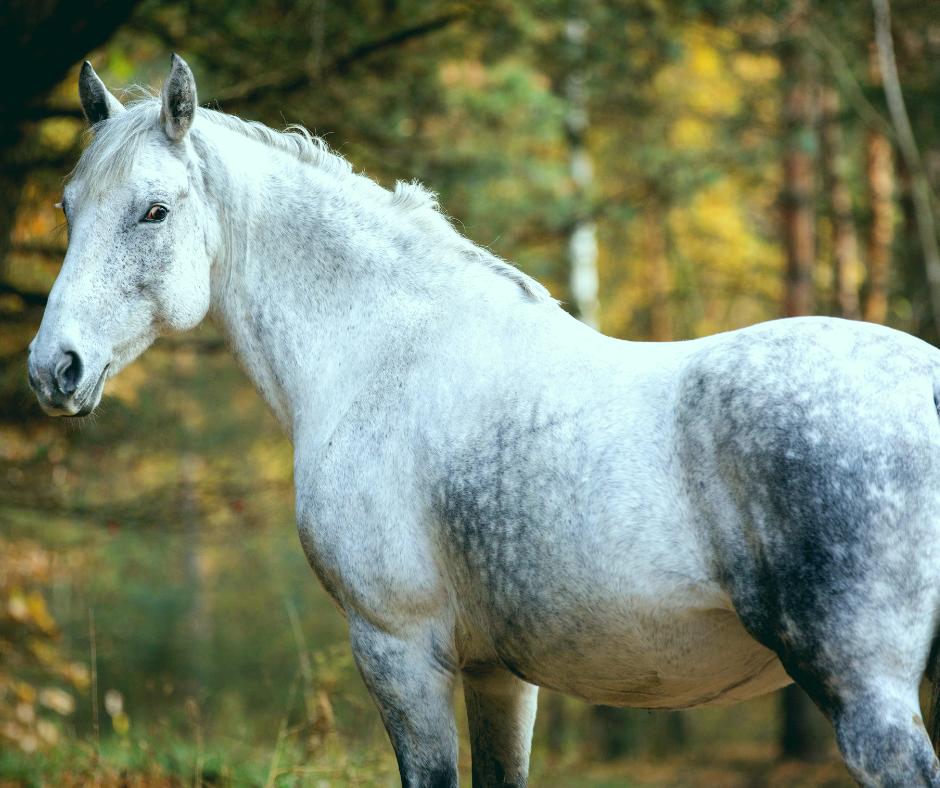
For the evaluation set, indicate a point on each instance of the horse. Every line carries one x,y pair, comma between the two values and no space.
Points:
494,493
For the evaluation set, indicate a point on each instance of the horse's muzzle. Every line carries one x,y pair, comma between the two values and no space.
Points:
62,384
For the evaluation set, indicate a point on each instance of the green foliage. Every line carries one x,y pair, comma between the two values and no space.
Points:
172,514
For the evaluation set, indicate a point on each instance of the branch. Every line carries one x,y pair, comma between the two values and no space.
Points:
30,299
42,40
363,51
920,189
44,158
44,112
252,88
848,82
33,247
283,81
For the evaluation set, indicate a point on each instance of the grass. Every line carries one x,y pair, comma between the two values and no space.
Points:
341,763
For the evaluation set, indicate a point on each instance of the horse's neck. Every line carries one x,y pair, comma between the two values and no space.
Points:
310,293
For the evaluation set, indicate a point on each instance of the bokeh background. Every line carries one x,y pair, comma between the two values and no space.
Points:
669,169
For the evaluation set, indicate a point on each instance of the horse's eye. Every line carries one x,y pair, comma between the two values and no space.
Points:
157,213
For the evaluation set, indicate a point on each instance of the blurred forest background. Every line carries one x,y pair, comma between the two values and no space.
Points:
668,168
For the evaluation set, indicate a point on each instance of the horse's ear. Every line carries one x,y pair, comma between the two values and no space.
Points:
97,103
179,100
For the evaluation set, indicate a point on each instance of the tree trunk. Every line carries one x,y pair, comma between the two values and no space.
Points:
11,187
910,269
582,242
920,188
42,40
880,170
846,267
804,735
668,733
617,732
199,620
657,267
799,231
557,722
799,164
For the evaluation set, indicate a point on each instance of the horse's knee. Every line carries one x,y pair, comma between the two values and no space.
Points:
885,745
408,678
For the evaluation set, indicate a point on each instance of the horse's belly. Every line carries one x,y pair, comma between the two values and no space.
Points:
661,659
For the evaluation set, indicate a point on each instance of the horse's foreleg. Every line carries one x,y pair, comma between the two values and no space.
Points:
883,740
501,711
412,685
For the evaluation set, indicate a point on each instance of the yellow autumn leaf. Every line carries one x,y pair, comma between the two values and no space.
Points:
58,700
17,606
40,613
121,723
690,133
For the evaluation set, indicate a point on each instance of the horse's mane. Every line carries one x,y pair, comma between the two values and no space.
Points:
119,141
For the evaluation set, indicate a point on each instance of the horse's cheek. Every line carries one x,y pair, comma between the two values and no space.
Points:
187,299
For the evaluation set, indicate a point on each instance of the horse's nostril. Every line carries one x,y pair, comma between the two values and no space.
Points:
69,373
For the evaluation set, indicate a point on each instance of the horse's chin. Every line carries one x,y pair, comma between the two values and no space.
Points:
91,400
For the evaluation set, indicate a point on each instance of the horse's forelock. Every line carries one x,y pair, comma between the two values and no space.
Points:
116,145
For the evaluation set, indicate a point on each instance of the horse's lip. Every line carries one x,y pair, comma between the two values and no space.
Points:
93,398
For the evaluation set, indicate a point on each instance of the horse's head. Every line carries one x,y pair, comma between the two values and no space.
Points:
140,245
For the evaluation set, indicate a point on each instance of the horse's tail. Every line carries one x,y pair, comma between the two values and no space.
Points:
933,675
933,662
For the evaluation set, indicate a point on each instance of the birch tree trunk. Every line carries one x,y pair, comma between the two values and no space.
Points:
582,242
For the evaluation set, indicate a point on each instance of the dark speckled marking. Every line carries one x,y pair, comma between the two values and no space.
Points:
489,504
819,506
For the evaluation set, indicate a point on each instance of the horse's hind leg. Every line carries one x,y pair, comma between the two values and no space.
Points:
861,658
883,741
412,685
862,661
501,712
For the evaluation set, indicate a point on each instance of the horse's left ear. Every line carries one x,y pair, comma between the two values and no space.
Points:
179,100
97,103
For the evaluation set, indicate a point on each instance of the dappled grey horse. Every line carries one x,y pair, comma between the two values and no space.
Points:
490,490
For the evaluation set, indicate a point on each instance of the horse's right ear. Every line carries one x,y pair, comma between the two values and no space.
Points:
97,103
